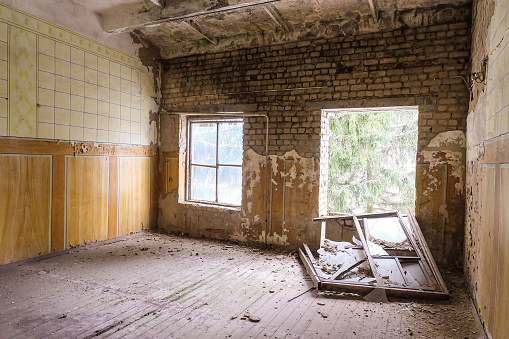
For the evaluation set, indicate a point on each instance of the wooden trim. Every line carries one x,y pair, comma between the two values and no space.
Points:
379,281
310,268
349,216
391,291
58,204
33,146
113,199
426,253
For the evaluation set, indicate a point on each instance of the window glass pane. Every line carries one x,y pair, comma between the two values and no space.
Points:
203,183
203,143
230,143
229,186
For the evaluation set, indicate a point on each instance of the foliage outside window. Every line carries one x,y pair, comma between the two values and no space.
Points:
215,161
372,160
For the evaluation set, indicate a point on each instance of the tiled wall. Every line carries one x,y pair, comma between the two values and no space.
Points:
58,85
497,115
486,264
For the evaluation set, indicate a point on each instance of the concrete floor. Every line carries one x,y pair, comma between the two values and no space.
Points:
150,285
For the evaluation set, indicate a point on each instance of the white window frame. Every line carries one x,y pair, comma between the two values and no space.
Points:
189,163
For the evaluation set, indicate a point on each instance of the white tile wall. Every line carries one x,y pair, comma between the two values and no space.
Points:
84,97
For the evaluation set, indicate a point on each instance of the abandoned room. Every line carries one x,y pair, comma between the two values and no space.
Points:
254,168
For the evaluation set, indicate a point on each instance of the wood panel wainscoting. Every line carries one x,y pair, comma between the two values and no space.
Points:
56,195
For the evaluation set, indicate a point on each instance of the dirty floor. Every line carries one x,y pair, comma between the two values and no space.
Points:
150,285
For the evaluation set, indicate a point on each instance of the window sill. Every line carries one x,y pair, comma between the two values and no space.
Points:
220,207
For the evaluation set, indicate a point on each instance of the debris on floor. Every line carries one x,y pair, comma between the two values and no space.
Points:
376,255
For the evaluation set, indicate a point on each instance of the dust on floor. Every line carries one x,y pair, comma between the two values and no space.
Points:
151,285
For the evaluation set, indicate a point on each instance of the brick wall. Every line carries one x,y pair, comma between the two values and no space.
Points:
426,62
293,82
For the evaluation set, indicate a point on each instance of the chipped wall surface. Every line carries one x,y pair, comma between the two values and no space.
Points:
440,179
56,84
487,169
291,84
77,18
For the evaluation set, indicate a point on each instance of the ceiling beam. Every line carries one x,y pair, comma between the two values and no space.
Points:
192,25
131,17
275,16
374,9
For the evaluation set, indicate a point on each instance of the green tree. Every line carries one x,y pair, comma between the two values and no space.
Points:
372,161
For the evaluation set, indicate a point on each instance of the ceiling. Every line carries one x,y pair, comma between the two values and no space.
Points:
183,27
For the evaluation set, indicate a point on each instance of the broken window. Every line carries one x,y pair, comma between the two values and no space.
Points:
215,161
374,255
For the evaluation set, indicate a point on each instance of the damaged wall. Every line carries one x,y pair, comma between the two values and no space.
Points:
487,178
75,119
292,83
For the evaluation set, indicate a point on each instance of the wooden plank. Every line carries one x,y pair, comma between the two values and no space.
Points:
374,9
339,274
391,292
309,253
24,146
365,246
155,190
171,183
322,232
113,198
25,203
58,204
427,253
310,268
87,199
349,216
502,281
134,194
424,259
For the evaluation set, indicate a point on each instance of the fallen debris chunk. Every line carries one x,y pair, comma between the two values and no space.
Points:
254,319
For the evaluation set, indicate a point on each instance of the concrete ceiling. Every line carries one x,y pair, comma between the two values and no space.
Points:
183,27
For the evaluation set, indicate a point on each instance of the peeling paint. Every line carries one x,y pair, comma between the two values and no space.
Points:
448,140
452,145
274,239
443,211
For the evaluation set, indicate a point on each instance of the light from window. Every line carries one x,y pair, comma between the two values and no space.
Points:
215,161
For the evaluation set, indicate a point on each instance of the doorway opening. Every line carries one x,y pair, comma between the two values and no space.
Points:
371,159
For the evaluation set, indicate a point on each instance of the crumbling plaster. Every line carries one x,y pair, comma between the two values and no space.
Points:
291,84
486,237
76,17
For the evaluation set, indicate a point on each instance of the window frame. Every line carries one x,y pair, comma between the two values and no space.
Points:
189,163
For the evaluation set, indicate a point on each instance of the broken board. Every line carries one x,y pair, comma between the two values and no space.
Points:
387,257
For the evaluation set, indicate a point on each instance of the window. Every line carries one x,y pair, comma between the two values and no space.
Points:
214,168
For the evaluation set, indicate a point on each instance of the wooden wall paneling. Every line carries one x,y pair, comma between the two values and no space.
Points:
113,199
486,241
25,206
172,173
133,194
155,190
86,199
58,204
502,292
25,146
